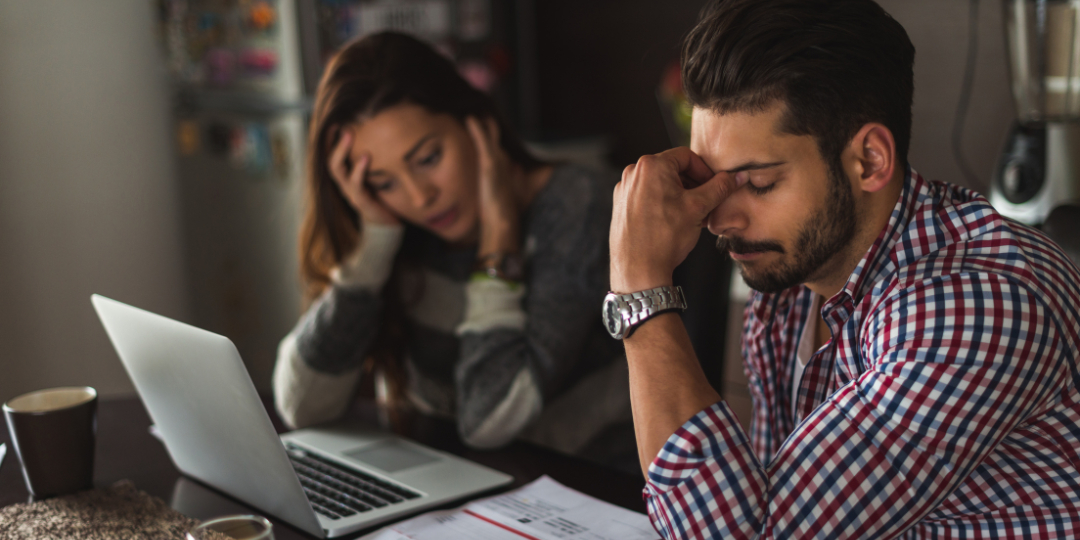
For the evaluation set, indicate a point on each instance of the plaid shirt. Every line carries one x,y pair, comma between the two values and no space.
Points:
946,406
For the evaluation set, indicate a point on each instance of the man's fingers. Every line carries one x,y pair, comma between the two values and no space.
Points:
715,191
690,165
680,165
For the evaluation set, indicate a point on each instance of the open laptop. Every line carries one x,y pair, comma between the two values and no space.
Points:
324,481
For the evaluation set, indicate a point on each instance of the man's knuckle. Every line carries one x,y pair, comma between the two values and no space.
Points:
695,206
725,189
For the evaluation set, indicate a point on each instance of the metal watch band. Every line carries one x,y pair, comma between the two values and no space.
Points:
624,312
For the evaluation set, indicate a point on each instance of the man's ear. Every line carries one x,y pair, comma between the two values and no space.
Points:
873,150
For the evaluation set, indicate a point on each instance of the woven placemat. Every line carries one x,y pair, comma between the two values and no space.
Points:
116,512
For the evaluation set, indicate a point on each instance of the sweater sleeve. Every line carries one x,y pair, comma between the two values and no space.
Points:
522,344
318,363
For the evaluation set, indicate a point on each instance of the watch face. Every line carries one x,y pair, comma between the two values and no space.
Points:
612,318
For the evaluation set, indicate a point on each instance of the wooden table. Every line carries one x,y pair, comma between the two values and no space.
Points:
126,450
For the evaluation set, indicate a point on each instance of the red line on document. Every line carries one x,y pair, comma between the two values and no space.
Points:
500,525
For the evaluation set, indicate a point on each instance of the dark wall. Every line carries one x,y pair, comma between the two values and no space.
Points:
598,64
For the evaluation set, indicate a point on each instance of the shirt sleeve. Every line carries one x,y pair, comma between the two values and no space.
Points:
518,350
318,363
958,362
304,396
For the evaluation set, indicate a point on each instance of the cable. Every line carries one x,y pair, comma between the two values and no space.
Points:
965,95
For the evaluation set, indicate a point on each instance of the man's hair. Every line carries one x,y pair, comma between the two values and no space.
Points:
835,64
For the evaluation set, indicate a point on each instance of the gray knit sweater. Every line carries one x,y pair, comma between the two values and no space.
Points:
531,361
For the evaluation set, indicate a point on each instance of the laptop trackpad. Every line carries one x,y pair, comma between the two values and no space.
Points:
391,456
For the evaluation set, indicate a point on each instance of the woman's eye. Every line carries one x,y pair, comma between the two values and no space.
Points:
382,185
431,158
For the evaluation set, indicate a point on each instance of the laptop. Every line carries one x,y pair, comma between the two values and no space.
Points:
326,481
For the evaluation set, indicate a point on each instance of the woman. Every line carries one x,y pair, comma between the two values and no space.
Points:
445,261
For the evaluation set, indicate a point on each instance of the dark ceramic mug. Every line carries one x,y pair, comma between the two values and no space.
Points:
53,434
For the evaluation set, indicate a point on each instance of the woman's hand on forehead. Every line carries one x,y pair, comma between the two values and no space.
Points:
351,181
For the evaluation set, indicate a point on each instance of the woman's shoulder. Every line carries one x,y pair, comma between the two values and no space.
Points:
573,196
571,181
567,224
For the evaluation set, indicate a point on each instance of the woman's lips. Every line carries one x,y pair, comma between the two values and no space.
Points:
443,220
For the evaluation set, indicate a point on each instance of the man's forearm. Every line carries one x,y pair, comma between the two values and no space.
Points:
655,223
667,385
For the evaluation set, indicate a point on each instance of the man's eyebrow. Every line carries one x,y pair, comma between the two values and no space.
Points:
755,166
416,147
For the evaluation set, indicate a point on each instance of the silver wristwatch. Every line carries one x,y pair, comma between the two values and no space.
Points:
624,312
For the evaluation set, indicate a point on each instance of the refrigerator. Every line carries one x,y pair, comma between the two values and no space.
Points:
243,73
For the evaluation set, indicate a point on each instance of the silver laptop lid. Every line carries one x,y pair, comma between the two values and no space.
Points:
187,377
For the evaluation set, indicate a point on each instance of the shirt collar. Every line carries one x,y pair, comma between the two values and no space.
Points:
880,261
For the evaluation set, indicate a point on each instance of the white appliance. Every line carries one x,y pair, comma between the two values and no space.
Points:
1040,166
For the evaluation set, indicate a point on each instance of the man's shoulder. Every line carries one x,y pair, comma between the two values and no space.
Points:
956,231
957,246
948,213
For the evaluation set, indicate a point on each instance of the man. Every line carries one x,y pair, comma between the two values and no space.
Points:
912,355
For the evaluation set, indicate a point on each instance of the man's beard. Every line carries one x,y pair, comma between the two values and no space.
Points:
828,231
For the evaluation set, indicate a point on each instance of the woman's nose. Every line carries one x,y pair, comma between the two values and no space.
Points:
422,192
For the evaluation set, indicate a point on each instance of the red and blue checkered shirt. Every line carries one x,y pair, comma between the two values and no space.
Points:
945,406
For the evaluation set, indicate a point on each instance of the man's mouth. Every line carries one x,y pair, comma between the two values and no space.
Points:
748,256
744,250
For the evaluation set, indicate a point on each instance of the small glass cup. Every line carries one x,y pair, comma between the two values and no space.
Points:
236,527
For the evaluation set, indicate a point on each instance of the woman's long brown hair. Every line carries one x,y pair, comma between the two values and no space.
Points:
364,78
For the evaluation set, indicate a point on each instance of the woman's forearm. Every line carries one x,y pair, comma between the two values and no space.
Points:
304,396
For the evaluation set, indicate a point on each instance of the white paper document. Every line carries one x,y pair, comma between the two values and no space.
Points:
542,510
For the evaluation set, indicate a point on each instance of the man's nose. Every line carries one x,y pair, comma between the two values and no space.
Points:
729,217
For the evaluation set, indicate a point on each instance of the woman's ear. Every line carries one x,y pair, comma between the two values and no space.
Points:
874,151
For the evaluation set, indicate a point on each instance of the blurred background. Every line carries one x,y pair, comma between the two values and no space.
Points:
151,150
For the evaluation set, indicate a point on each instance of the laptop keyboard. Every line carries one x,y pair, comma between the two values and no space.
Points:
336,491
